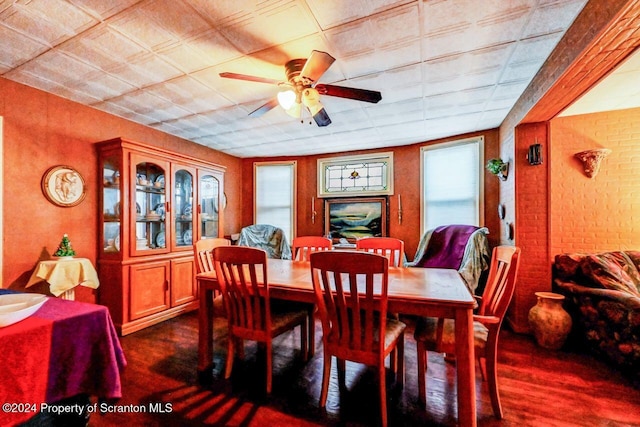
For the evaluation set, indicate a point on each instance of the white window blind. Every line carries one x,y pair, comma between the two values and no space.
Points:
452,182
275,195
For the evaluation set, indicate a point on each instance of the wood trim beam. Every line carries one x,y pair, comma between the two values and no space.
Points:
601,37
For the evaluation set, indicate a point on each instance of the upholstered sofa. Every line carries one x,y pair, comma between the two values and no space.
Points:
603,297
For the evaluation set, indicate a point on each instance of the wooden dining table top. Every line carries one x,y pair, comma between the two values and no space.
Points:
407,286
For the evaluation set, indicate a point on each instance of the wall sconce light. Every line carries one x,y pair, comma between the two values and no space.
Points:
591,160
399,210
498,168
534,155
313,210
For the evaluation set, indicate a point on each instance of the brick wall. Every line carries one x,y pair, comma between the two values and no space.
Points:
531,228
600,213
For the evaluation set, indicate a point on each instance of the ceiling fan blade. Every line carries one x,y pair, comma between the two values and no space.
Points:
316,65
349,92
250,78
264,108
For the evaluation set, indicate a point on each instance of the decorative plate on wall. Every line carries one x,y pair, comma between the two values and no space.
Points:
63,186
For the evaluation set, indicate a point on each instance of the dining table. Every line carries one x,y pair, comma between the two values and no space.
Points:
64,349
433,292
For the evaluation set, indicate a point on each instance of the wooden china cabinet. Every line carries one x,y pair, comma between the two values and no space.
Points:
153,205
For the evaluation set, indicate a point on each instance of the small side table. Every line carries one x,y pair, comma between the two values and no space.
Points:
64,275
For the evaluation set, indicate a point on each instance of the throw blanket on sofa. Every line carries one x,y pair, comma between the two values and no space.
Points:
603,298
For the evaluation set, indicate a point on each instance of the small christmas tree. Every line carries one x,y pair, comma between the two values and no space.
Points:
64,248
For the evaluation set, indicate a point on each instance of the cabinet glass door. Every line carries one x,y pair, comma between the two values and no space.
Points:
111,204
209,192
150,208
183,208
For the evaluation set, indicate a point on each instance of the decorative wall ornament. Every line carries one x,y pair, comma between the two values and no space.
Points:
63,186
534,154
591,160
498,168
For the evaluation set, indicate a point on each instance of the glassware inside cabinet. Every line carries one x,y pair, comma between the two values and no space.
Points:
183,203
111,204
209,206
150,208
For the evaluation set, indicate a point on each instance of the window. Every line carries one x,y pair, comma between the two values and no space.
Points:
361,175
452,183
274,195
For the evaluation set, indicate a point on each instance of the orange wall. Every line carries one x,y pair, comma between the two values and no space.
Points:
603,213
406,183
41,131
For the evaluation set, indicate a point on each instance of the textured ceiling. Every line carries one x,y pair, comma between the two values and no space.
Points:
444,67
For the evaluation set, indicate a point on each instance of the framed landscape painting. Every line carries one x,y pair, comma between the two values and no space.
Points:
355,218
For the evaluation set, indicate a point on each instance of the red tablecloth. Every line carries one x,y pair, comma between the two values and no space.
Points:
64,349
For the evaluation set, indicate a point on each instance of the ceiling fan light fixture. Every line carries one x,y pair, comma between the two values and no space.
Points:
295,110
321,117
311,100
287,99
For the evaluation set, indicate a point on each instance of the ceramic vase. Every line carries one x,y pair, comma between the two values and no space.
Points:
549,322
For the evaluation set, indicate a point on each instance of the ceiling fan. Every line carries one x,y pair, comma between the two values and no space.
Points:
304,89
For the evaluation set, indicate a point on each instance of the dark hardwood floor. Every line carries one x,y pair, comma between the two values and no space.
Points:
538,387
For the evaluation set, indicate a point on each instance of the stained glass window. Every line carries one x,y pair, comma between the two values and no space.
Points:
356,175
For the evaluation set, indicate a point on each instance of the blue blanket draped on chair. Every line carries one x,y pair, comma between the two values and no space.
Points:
267,237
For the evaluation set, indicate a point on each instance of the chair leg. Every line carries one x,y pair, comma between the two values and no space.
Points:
326,374
483,368
304,339
400,373
269,359
393,361
312,333
422,372
492,373
240,348
342,367
383,394
230,356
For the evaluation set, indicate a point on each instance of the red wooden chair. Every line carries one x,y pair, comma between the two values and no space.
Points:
351,294
203,250
304,246
438,335
242,274
389,247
